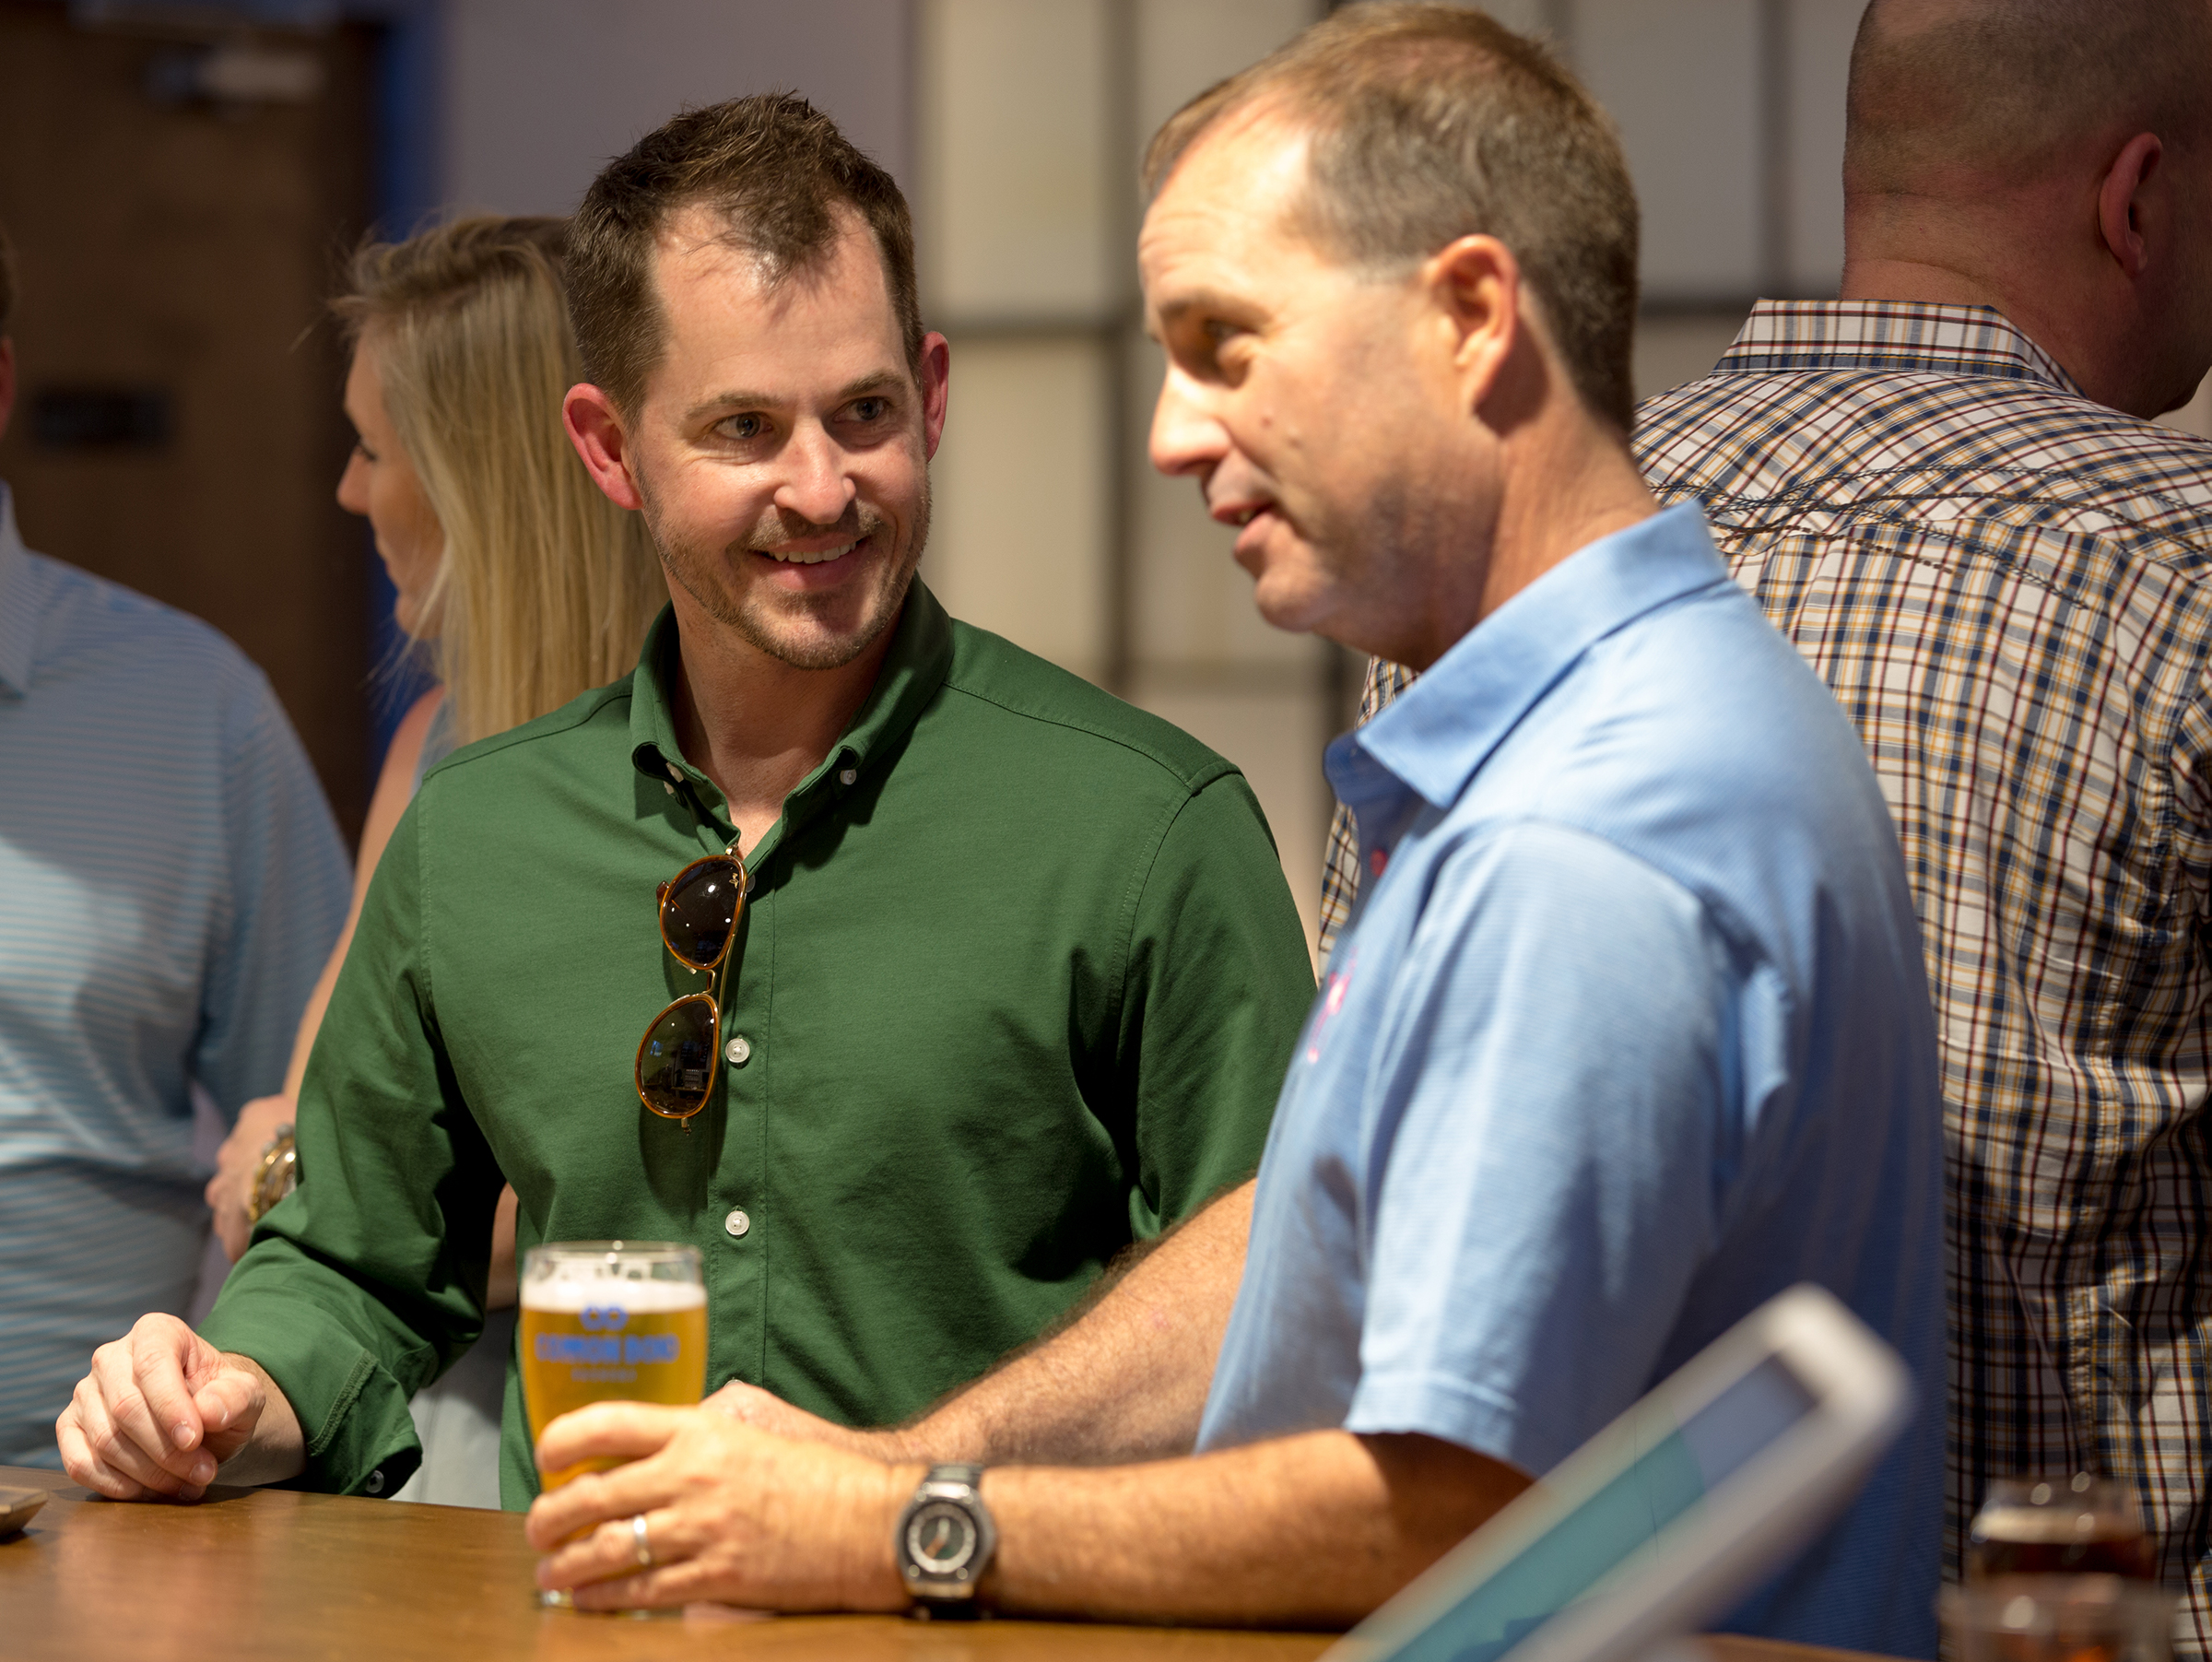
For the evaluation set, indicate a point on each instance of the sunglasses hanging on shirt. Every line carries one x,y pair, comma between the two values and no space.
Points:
677,1057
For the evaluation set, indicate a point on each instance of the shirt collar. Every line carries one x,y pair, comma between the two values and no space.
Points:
19,609
1443,727
1888,335
915,667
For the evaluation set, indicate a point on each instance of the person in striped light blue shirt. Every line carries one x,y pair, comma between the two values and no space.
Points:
170,881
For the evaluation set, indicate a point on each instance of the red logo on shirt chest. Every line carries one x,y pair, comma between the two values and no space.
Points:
1332,1001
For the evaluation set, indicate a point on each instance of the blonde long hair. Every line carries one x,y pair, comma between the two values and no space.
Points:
545,588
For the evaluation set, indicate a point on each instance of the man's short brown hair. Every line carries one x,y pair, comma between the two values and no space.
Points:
1432,123
774,169
2002,88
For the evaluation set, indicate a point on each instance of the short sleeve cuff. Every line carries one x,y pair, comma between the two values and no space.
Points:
1437,1405
360,1437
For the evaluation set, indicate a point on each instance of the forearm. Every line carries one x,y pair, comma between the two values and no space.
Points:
1308,1531
1125,1381
502,1289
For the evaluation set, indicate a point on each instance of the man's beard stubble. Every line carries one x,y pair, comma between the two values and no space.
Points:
896,576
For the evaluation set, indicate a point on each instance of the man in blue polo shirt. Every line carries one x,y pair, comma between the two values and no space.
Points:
1630,1032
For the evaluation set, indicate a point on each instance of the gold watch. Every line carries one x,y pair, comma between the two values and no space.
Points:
275,1177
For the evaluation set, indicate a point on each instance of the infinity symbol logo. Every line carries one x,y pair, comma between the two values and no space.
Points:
596,1320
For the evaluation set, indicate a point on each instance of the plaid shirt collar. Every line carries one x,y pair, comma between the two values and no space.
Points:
1912,335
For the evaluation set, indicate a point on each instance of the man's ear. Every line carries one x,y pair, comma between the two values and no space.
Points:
934,373
1475,285
2129,206
596,429
7,382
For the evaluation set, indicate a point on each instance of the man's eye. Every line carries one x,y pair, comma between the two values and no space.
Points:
871,409
742,427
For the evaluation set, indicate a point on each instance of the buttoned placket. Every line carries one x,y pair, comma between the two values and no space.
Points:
735,1191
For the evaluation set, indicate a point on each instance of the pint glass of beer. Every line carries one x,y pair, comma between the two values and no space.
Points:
2071,1525
606,1321
2058,1618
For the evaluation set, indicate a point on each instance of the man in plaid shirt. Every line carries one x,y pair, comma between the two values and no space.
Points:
1941,489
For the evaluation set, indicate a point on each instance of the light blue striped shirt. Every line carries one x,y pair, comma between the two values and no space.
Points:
171,884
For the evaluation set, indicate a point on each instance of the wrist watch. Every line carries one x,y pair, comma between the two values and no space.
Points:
275,1177
945,1542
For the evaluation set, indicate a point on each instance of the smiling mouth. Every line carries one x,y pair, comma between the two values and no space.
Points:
816,557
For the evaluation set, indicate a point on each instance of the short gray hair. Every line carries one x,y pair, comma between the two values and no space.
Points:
1431,122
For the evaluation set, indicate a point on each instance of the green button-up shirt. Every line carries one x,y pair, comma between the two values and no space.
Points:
1020,977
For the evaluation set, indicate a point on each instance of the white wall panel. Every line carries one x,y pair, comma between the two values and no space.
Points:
1527,16
1016,121
1184,46
1275,736
1681,77
1820,33
2195,416
1679,347
538,94
1017,542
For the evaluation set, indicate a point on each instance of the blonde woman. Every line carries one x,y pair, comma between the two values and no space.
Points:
527,587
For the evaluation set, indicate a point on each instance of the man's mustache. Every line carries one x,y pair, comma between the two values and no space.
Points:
855,524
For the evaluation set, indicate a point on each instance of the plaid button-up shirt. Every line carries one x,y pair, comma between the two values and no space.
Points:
2009,589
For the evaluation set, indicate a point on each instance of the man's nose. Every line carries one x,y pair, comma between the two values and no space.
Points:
1186,438
816,486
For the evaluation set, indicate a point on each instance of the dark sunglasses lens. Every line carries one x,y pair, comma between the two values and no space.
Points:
700,909
676,1064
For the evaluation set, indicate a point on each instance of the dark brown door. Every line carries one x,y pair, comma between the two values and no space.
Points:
177,426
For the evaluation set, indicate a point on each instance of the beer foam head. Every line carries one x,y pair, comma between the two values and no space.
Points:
576,1281
2041,1525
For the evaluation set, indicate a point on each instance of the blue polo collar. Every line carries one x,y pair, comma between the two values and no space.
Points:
1442,728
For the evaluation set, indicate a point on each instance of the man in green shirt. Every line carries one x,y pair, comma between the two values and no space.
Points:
1014,988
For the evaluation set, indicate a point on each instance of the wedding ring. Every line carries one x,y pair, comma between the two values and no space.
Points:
637,1534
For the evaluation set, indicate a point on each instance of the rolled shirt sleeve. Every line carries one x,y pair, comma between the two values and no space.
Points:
366,1281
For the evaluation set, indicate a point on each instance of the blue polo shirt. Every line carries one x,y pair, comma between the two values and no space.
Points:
1631,1034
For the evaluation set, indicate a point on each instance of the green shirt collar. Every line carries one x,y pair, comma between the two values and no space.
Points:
919,659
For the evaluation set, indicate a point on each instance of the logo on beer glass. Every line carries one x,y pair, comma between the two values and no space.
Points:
611,1319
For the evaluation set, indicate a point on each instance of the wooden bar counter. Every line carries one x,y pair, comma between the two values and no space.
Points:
248,1574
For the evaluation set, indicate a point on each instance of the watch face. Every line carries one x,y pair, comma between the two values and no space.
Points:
940,1538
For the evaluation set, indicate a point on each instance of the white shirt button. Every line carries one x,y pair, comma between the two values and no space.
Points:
739,1050
737,1224
375,1485
847,776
